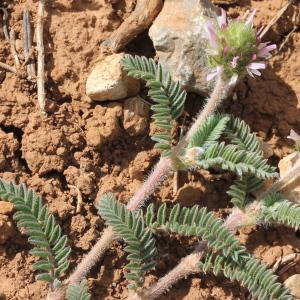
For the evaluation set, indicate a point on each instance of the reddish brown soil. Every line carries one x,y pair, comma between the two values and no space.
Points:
51,153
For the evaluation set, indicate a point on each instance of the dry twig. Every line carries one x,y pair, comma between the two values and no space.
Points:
27,44
79,198
140,19
291,176
5,23
40,61
284,260
7,67
287,38
276,17
12,41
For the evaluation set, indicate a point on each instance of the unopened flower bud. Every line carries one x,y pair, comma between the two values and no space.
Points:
194,153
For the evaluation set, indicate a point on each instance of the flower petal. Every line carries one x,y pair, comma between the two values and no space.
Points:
249,21
263,45
265,52
222,20
249,72
235,61
294,136
255,72
211,34
216,71
257,65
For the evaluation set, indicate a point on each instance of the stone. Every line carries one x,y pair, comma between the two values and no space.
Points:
6,208
135,116
177,35
107,80
103,125
292,190
7,229
293,284
189,194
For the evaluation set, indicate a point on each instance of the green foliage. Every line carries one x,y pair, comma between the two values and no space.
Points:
168,96
130,227
78,291
241,162
239,134
260,281
276,209
209,132
46,236
241,188
226,255
199,222
242,156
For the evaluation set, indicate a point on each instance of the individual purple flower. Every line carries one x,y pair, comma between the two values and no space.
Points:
214,72
235,47
253,68
294,136
234,62
264,50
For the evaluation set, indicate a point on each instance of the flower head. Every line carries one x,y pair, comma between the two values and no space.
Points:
296,138
236,47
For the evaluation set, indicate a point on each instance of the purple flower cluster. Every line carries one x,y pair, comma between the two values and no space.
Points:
231,52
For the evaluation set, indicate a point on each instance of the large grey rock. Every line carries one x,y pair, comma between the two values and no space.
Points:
178,37
108,81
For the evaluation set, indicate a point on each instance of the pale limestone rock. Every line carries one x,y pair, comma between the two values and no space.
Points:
292,190
108,81
293,284
136,114
178,37
6,208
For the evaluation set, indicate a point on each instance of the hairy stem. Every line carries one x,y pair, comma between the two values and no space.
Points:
187,266
250,215
157,176
218,94
162,169
92,257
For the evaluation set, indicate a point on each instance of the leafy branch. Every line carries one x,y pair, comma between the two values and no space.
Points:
50,246
276,209
226,253
78,291
130,227
260,281
168,96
